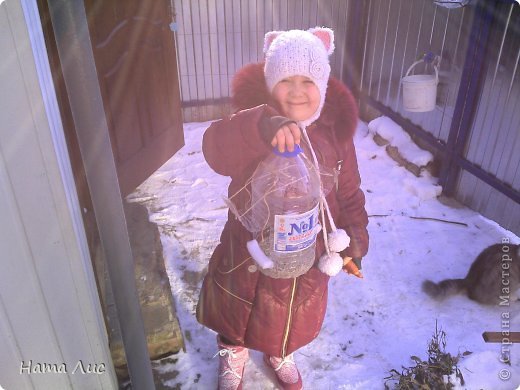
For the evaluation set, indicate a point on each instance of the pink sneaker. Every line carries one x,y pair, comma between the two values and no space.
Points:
287,373
232,359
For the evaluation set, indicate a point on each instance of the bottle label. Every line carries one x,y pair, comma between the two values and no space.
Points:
296,232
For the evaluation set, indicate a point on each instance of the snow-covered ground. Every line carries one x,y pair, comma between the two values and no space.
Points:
373,324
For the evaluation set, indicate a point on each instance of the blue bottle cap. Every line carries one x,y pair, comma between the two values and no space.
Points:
297,150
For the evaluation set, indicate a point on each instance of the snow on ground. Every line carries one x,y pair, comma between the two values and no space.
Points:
399,138
372,325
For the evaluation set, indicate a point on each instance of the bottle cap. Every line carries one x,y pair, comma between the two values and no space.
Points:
297,150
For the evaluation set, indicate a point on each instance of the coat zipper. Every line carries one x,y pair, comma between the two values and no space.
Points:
289,319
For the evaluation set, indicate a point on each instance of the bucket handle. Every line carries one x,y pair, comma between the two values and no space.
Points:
418,62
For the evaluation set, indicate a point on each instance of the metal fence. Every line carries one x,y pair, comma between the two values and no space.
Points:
492,144
401,32
215,38
474,129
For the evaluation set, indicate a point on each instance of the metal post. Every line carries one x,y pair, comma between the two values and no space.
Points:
69,22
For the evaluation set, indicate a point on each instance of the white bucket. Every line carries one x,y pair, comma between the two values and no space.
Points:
420,90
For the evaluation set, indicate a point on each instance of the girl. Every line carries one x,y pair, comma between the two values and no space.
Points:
279,102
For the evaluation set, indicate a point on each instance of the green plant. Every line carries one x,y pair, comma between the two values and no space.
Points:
434,374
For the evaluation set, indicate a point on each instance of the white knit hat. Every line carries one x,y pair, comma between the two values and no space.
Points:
302,53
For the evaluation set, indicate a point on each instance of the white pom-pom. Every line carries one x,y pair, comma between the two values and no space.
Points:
330,264
338,240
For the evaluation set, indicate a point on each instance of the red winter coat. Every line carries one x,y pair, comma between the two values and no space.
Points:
276,316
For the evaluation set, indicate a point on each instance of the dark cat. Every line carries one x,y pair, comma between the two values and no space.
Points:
493,277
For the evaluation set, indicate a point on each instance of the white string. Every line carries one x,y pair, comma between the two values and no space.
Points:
314,158
329,215
323,202
325,238
231,355
287,360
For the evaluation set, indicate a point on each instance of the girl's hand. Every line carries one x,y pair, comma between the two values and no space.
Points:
286,137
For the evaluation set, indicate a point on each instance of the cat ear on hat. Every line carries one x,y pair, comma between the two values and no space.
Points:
269,38
326,35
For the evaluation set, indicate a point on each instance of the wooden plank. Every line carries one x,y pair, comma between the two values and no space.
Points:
498,337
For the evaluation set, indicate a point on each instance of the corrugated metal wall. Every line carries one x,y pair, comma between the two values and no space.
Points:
494,139
215,38
401,32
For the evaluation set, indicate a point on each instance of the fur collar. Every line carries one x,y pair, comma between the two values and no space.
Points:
340,110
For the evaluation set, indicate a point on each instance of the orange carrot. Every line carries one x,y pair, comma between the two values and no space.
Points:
351,268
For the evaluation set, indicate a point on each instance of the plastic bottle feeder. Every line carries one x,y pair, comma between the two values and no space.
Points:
420,90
